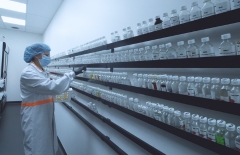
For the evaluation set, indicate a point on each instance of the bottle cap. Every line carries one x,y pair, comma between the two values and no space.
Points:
70,89
225,81
175,77
141,49
211,121
187,115
235,82
162,46
157,17
203,119
206,39
191,41
145,76
165,108
230,127
130,99
171,110
169,77
195,117
130,51
147,48
180,43
238,129
194,3
154,47
136,100
182,78
144,22
140,75
116,31
165,14
221,123
128,28
149,76
160,106
159,77
169,45
138,24
150,20
177,113
198,79
226,36
174,11
206,80
190,79
164,76
183,8
135,74
215,80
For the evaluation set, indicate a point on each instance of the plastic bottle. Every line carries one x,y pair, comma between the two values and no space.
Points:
206,49
149,81
163,83
235,91
175,84
225,89
222,6
203,127
131,55
140,80
165,114
166,21
154,82
198,87
160,111
192,49
220,132
144,83
215,89
169,83
211,129
155,53
187,121
181,50
148,54
182,87
158,23
130,103
144,27
136,103
117,36
171,52
130,33
151,26
159,80
135,80
184,15
112,37
174,18
230,136
139,29
237,139
170,116
207,9
195,124
235,4
141,54
195,12
136,55
162,52
238,47
125,34
178,121
191,86
227,47
206,89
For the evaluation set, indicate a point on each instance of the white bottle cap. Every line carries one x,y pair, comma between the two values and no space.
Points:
198,79
159,77
162,46
190,79
174,11
141,49
230,127
135,50
182,78
169,77
144,22
154,47
157,17
238,129
225,81
136,100
194,3
165,14
138,24
130,51
164,76
171,110
215,80
203,119
221,123
145,76
195,117
177,113
70,89
147,48
180,43
165,108
175,77
135,74
235,82
211,121
149,76
130,99
150,20
140,75
187,115
191,41
169,45
226,36
116,31
160,106
206,39
206,80
184,8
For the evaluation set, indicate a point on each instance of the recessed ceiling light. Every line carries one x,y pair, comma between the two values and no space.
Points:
14,6
13,20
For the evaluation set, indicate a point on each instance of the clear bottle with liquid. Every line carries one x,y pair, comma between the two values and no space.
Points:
135,80
220,132
203,127
144,27
230,136
165,114
163,83
141,52
139,29
182,87
211,129
187,121
184,15
130,103
151,26
148,54
227,47
235,4
175,84
171,52
159,80
136,55
162,52
206,49
130,33
174,18
192,49
170,116
112,37
117,36
131,55
169,83
198,87
155,53
195,12
125,34
191,86
136,103
207,9
237,140
215,89
206,89
160,112
195,124
144,83
158,23
181,50
235,91
149,81
140,80
222,6
225,89
178,121
166,21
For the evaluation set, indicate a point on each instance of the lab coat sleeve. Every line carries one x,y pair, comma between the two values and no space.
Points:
44,86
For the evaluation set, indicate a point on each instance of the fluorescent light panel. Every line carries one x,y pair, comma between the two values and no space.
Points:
14,6
13,20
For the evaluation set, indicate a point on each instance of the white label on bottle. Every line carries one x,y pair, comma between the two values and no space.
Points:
235,97
184,19
195,15
139,32
182,125
187,128
237,145
211,136
158,27
182,55
223,98
207,12
162,56
213,95
151,28
195,130
227,142
222,7
145,30
203,133
238,48
235,4
190,91
166,24
193,54
227,51
174,21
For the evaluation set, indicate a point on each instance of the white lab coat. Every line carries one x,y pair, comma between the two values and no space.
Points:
37,111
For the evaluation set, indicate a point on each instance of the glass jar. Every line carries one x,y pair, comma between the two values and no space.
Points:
227,47
140,80
211,129
220,132
230,136
136,103
147,54
154,82
165,114
178,121
166,21
181,50
190,86
163,83
225,89
131,55
148,104
235,91
135,80
144,83
149,81
198,87
144,27
188,122
237,139
160,111
195,124
162,52
208,8
222,6
175,84
206,49
125,34
174,18
169,83
139,29
126,55
141,54
184,15
195,12
159,80
170,116
206,89
151,26
130,33
215,89
203,127
192,50
155,53
171,53
182,87
136,55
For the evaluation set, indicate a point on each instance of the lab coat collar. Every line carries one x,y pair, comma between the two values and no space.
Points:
32,64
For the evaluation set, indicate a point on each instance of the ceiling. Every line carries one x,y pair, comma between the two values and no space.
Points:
38,15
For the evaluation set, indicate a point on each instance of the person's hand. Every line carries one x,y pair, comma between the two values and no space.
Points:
79,70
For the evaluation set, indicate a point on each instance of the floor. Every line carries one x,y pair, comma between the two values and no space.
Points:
11,136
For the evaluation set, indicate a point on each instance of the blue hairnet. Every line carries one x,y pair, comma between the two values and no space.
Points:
34,50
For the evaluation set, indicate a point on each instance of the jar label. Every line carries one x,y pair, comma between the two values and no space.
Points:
166,24
145,30
188,128
158,27
222,7
203,133
184,19
220,140
182,125
195,130
237,146
223,98
190,91
229,51
207,12
174,21
181,55
235,97
139,32
151,28
235,4
162,56
211,136
227,142
195,15
192,54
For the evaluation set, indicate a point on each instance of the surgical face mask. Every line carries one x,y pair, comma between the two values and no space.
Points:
45,60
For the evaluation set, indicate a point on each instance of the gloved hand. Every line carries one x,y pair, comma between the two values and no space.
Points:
79,70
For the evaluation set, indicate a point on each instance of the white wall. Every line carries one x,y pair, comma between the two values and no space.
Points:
17,42
78,22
